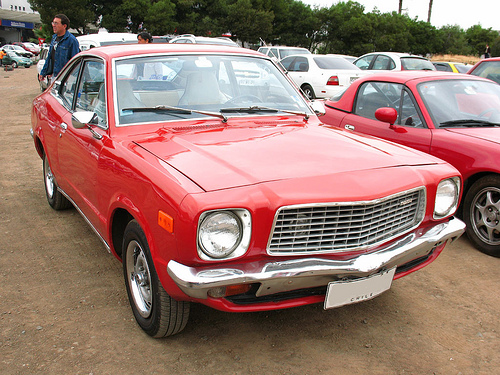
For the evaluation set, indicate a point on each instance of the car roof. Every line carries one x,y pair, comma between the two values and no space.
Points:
394,54
135,49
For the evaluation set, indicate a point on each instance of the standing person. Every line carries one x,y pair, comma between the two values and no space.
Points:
62,48
2,54
487,53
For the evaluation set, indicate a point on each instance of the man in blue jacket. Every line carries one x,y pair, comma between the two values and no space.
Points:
62,48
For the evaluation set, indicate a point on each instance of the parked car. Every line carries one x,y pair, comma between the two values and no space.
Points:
392,61
216,183
487,68
321,76
17,49
455,117
191,39
455,67
31,47
104,38
39,66
12,58
280,52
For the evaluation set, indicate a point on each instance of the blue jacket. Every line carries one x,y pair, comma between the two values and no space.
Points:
66,48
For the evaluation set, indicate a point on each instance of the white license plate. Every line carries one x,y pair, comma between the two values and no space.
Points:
340,293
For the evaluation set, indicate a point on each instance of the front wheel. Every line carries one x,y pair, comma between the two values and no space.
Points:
481,212
158,314
14,64
55,198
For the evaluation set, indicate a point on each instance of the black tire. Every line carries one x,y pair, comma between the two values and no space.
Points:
308,91
481,213
158,314
14,64
55,198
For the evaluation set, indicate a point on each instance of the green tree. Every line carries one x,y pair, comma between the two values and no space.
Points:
477,38
79,12
249,23
453,41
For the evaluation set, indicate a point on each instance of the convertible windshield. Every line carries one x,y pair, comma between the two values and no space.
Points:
202,85
462,103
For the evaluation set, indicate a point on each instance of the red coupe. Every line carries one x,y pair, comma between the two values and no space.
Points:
211,178
455,117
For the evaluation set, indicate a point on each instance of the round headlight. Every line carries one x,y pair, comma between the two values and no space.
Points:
219,234
446,197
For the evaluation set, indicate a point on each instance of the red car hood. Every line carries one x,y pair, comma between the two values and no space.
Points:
487,134
230,156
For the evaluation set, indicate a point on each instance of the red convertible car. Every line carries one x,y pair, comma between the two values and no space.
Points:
211,178
455,117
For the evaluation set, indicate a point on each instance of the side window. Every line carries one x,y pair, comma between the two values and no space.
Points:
273,52
301,64
68,87
364,63
382,63
91,91
408,113
374,95
287,63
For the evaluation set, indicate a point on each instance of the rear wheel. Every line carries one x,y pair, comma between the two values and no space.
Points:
308,90
481,212
14,64
158,314
55,198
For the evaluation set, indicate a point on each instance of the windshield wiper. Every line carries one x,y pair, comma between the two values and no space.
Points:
256,108
467,122
160,108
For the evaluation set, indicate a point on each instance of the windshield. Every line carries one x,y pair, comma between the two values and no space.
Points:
488,69
416,63
458,103
332,62
235,85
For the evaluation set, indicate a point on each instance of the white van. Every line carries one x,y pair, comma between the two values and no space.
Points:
103,38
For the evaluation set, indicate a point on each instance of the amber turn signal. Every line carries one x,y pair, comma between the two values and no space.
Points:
165,221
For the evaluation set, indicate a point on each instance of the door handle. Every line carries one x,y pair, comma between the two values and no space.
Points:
349,127
63,126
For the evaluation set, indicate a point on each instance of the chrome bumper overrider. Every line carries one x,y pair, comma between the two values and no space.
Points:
282,276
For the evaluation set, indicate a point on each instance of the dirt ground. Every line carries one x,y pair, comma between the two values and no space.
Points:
64,309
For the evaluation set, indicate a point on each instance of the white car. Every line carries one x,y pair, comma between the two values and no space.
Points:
280,52
321,76
39,66
393,61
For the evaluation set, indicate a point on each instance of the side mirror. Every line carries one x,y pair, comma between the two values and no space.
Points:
386,114
318,107
83,119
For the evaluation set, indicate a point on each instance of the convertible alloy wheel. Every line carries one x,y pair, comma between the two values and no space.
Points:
482,215
158,314
55,198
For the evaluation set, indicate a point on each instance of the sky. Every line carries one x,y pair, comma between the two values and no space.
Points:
444,12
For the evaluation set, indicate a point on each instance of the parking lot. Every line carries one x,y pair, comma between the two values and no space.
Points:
64,308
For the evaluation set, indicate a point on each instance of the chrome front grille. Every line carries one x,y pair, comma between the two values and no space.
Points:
339,227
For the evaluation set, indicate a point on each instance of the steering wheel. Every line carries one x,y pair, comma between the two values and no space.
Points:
488,110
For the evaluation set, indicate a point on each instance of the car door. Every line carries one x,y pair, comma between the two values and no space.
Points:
79,149
297,67
410,129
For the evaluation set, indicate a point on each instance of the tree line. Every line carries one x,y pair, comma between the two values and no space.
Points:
344,28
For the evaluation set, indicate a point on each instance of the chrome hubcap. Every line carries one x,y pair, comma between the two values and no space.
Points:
486,215
138,278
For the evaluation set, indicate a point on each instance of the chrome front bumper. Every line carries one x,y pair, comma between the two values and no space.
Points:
283,276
